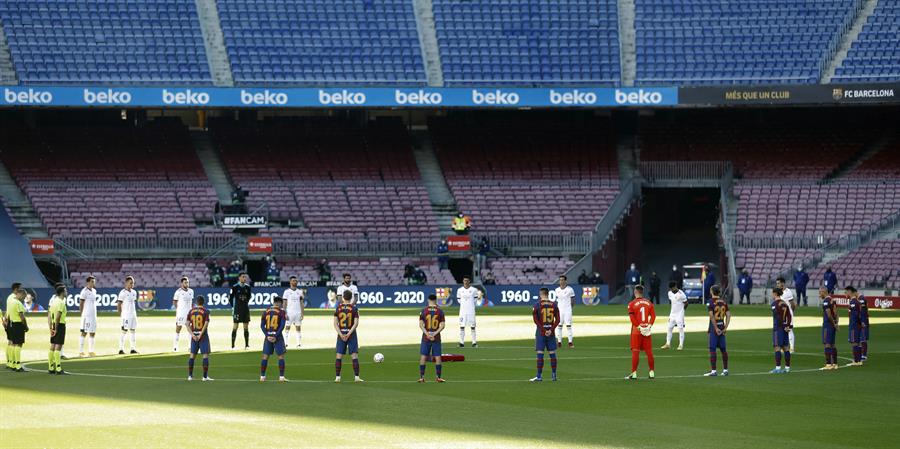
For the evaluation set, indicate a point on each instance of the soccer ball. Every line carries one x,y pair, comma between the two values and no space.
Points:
379,357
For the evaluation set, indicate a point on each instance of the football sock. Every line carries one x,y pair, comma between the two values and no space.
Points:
777,359
8,357
462,335
233,336
569,328
540,364
298,338
58,358
133,341
206,367
669,336
559,333
787,358
635,358
122,342
681,336
281,367
18,357
857,353
553,363
90,344
51,361
437,369
474,340
175,340
791,337
725,360
650,359
712,360
421,371
834,356
263,365
337,367
356,367
191,366
865,348
81,343
827,356
246,338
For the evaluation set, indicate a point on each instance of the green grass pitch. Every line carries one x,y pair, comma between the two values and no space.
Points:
145,401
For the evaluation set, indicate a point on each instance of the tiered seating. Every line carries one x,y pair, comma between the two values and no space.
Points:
768,263
382,271
875,264
108,41
529,270
314,42
339,179
810,210
528,175
528,42
146,273
884,165
111,180
875,54
691,42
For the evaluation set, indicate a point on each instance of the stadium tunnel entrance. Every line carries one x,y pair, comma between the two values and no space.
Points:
679,228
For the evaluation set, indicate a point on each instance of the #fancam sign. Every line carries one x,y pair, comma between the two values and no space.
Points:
245,222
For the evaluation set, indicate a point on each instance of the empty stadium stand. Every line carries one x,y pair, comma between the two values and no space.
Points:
314,43
874,264
371,271
146,272
875,55
764,264
109,41
504,42
529,270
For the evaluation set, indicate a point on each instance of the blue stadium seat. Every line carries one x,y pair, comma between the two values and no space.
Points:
875,56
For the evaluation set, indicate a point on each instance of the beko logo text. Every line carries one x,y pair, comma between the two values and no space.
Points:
574,97
344,97
639,96
29,96
185,97
497,97
108,96
263,98
417,98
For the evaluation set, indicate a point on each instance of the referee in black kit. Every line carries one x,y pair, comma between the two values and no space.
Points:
240,312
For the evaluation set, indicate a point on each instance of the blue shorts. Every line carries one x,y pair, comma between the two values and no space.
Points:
276,347
717,342
350,346
864,334
828,335
542,342
854,335
430,348
201,346
780,338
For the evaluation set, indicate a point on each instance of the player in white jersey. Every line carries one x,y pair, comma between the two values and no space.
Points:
466,297
88,308
348,285
787,296
295,309
565,296
676,315
126,304
184,300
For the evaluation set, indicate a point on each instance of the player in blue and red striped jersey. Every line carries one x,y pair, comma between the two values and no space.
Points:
855,325
272,325
546,317
198,321
782,320
829,329
719,319
863,328
431,322
346,320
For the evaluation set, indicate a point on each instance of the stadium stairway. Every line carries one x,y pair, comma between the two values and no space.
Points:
865,154
20,208
7,70
17,263
431,55
442,202
847,40
627,52
212,165
214,40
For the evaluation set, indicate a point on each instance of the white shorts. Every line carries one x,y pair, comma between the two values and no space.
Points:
676,321
129,322
565,317
294,319
467,319
181,320
88,324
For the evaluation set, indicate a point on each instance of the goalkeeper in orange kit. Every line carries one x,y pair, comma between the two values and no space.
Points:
642,315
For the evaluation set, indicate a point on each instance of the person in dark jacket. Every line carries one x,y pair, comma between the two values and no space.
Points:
801,279
708,282
654,287
745,285
632,276
677,276
830,281
443,255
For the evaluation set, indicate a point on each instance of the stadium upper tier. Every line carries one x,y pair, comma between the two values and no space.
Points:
472,43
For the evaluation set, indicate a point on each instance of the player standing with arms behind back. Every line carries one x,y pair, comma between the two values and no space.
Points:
347,285
346,320
272,325
782,319
295,309
198,321
240,312
56,317
546,317
431,322
466,297
126,303
642,315
829,329
676,315
565,297
183,299
719,320
88,309
854,325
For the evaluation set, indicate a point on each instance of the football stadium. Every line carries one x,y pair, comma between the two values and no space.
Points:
450,223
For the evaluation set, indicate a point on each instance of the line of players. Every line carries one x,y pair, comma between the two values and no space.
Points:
546,314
